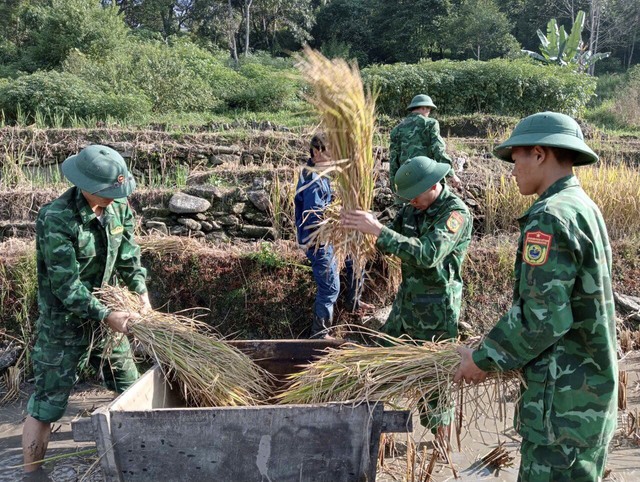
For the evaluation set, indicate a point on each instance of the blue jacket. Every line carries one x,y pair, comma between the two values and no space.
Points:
315,197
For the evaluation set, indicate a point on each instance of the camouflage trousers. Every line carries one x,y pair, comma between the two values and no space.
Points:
435,412
561,463
56,366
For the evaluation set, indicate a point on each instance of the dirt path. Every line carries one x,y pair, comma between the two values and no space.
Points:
624,458
84,399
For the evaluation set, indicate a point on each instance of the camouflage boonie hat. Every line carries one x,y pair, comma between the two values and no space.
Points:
101,171
417,175
550,129
421,100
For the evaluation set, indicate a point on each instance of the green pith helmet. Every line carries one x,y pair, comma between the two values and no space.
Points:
417,175
550,129
421,100
101,171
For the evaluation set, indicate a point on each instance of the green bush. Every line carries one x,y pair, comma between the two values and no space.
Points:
621,106
176,77
63,94
56,27
264,88
499,86
607,88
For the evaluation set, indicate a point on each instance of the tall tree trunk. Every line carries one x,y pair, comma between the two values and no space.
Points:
633,44
233,47
594,20
167,20
247,21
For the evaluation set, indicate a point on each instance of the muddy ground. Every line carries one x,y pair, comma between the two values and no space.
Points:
481,436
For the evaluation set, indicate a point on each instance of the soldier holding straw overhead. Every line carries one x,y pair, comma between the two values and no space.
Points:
431,235
83,239
561,328
418,135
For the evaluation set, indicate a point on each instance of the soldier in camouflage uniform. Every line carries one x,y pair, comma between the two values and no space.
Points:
83,239
561,328
431,235
418,135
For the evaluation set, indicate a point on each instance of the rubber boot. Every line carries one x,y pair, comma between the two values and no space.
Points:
320,327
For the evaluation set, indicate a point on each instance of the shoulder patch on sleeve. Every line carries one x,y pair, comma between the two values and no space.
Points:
455,221
535,251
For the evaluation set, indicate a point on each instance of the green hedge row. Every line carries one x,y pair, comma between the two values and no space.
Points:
66,96
152,77
502,87
155,77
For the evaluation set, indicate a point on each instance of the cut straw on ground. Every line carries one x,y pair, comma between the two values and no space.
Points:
347,118
209,371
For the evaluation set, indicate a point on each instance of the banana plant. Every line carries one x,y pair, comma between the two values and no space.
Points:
556,47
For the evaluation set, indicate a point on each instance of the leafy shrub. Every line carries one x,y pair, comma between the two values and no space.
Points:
174,78
63,94
183,77
607,88
503,87
8,51
55,28
264,88
621,107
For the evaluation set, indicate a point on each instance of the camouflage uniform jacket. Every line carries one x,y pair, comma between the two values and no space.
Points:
75,254
561,328
432,244
416,135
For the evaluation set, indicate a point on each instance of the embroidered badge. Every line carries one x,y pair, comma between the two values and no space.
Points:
455,221
117,229
536,248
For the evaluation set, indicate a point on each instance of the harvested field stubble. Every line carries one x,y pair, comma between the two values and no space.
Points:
614,187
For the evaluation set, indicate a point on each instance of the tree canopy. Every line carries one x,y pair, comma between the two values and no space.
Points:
40,34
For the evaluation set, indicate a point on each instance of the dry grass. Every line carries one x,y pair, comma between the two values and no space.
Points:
402,373
281,202
14,375
347,115
209,371
615,188
629,339
168,245
497,459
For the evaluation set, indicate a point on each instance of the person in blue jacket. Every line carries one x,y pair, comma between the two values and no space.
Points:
313,194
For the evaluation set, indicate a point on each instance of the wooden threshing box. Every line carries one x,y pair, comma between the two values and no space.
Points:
147,434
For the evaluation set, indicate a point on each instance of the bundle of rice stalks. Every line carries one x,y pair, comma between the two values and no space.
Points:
14,356
354,373
209,371
168,245
402,373
347,115
497,459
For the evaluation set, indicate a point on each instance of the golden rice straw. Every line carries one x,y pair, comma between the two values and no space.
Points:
401,373
167,245
347,115
209,371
